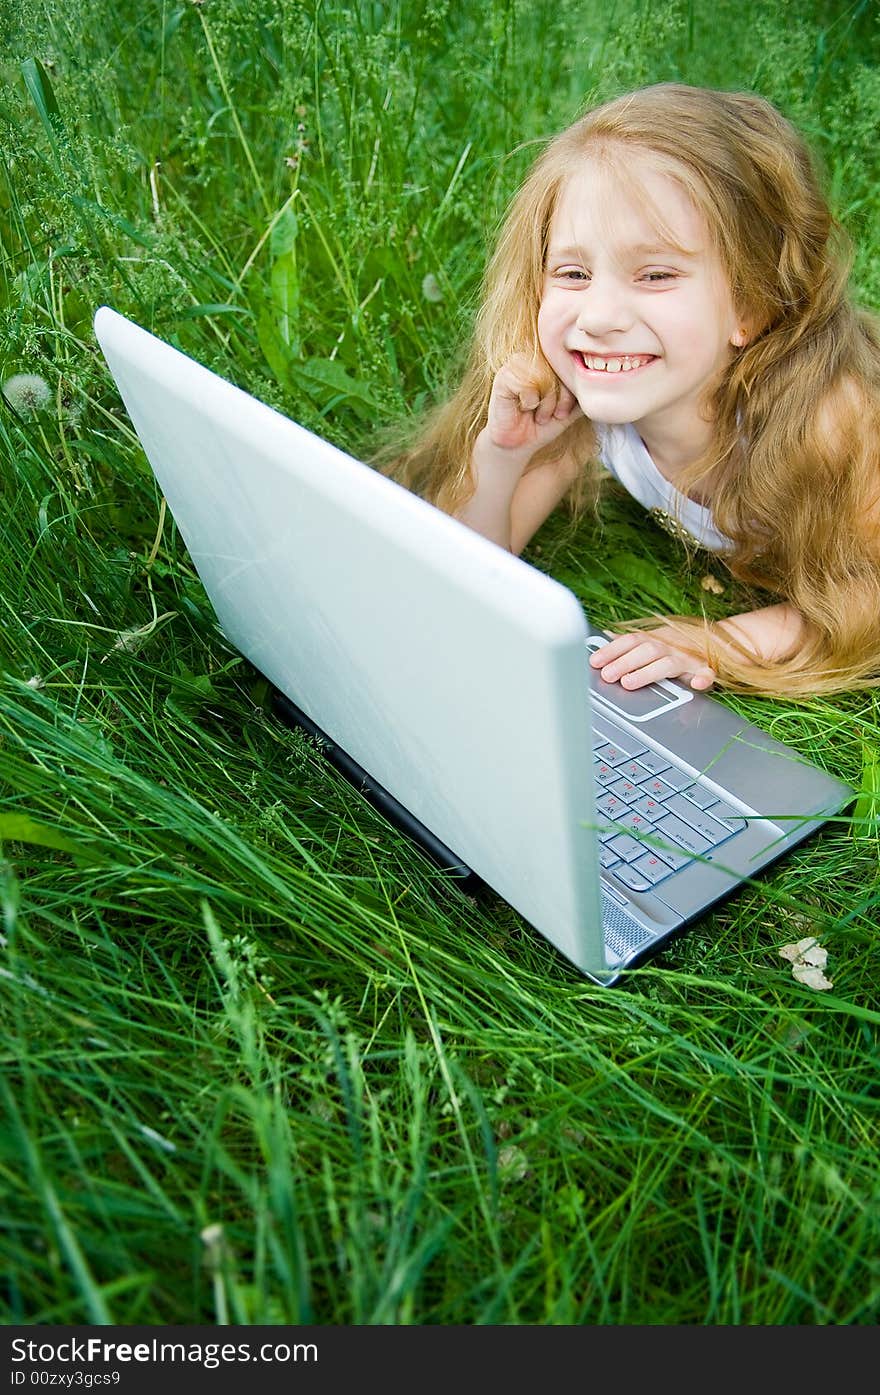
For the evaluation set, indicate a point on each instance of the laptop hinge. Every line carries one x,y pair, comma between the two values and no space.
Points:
376,794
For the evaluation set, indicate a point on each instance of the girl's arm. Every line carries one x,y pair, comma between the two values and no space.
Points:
646,656
511,497
773,633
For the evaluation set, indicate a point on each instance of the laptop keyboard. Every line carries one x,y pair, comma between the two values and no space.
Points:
640,791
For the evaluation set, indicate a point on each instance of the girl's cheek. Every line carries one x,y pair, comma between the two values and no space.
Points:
548,328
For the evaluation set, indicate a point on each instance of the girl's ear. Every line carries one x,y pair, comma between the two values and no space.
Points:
748,327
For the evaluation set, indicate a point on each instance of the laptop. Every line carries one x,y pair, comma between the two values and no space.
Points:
449,679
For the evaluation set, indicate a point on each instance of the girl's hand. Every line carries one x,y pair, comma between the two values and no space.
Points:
528,408
512,496
634,660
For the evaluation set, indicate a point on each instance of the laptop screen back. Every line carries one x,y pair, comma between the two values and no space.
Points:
453,672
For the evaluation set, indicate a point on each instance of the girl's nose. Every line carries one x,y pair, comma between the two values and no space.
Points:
604,307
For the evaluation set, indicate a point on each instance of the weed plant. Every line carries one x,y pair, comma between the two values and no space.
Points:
262,1064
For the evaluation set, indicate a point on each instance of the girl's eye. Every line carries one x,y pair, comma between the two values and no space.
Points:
656,276
570,273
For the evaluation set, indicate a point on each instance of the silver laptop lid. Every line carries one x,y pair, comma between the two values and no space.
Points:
452,671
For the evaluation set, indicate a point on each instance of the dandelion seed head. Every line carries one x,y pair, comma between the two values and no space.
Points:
27,393
431,288
513,1165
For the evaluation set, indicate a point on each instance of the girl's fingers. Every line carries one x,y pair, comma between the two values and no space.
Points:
612,651
518,381
510,399
565,404
526,406
645,662
635,661
546,408
668,666
529,398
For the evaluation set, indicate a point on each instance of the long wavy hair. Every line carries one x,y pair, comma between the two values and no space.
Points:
795,462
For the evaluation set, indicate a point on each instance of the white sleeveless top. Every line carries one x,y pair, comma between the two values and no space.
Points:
623,452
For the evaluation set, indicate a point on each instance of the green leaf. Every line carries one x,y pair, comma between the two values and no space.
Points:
275,351
282,238
189,691
284,282
173,23
215,308
867,806
21,828
43,97
328,383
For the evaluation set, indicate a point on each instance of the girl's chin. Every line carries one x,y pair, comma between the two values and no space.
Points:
596,407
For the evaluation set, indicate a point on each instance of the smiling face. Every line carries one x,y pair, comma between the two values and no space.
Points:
636,317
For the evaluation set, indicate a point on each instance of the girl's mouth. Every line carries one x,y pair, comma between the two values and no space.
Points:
613,363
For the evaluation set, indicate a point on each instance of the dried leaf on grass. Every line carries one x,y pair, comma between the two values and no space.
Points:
808,959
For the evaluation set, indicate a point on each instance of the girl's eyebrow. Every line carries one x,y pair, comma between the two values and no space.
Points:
639,249
650,249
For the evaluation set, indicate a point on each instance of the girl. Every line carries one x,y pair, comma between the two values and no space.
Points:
668,299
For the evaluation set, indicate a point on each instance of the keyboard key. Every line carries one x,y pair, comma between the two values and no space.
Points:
700,796
609,804
651,808
653,867
728,815
605,774
679,832
607,859
652,762
677,779
614,755
708,828
626,790
658,786
626,847
632,770
629,877
605,829
675,859
619,739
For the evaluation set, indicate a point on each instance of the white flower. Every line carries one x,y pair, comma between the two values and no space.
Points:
431,288
27,393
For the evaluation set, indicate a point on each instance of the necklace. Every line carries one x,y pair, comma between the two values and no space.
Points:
673,526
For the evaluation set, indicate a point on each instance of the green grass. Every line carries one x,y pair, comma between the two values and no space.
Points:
232,996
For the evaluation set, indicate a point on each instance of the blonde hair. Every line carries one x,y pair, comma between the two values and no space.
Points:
795,462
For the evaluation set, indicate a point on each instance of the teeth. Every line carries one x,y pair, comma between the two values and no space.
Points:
623,364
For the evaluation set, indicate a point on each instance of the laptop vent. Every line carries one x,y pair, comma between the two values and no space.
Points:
622,933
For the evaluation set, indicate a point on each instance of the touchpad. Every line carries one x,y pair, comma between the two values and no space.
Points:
636,704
